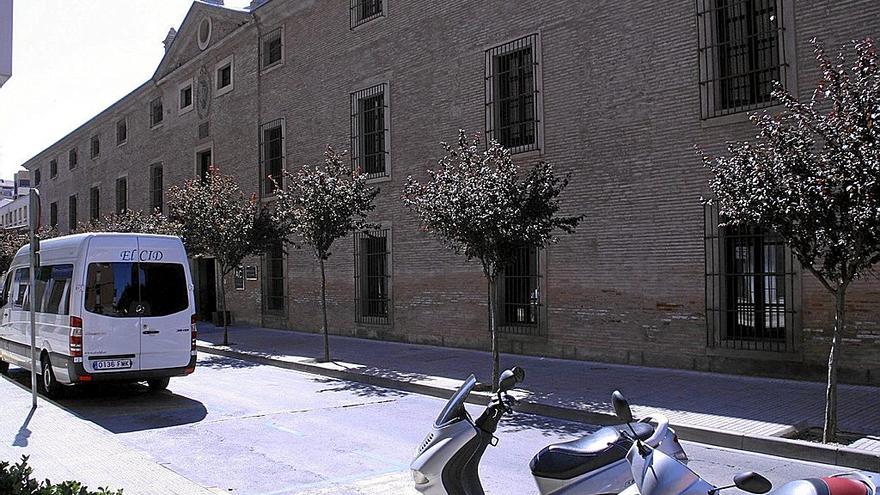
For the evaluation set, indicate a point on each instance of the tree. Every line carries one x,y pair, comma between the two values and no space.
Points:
477,203
133,221
319,205
216,220
812,176
11,240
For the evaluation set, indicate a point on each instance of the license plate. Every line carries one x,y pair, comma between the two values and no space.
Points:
112,364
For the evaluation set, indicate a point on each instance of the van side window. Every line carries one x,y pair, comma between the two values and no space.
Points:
56,281
7,282
20,289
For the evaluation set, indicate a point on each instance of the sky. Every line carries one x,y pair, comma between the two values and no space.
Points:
71,59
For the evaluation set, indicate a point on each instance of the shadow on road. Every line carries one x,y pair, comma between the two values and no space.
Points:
549,427
358,389
222,362
123,407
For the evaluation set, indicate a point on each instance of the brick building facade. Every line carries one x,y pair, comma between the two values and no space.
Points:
616,93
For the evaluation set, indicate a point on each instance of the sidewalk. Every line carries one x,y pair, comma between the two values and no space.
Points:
733,411
63,447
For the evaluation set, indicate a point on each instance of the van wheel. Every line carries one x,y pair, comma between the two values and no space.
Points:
51,387
158,384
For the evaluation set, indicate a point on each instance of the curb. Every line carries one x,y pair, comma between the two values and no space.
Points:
778,446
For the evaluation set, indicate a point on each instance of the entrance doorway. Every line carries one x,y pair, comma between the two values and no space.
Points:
205,276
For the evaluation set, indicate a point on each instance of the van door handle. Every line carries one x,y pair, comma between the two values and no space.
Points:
150,332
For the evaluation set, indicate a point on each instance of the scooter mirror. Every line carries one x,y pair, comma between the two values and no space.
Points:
752,482
519,373
507,380
621,407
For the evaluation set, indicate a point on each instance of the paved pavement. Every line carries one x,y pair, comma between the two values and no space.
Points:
745,405
253,429
63,447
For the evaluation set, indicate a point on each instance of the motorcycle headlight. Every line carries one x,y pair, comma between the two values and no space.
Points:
419,478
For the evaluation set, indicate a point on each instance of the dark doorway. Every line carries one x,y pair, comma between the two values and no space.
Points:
206,288
203,158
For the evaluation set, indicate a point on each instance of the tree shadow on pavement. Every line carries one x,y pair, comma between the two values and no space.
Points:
223,362
546,426
359,389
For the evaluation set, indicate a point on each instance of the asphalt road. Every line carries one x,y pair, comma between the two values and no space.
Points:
259,430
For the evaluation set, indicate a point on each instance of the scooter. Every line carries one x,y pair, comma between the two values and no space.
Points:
656,473
447,461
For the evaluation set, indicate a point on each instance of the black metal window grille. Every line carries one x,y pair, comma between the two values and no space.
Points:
750,288
186,97
121,132
272,51
272,154
203,162
519,294
71,213
37,177
156,112
156,189
95,147
513,94
369,131
53,169
72,158
224,76
275,278
121,194
741,53
53,215
372,256
363,11
94,203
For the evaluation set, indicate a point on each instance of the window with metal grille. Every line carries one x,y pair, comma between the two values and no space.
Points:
53,169
37,177
94,203
71,213
519,294
95,147
224,76
121,194
741,53
372,276
275,278
272,154
157,113
72,158
751,288
370,132
53,214
121,132
365,10
156,189
513,94
186,97
272,49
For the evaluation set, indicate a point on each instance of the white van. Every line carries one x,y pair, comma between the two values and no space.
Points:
108,307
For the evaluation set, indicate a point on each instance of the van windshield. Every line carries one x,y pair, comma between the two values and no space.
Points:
133,290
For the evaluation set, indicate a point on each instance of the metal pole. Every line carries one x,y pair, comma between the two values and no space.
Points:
34,220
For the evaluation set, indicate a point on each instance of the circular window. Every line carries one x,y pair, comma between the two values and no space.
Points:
204,33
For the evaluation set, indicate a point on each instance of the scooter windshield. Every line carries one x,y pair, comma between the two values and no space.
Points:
454,409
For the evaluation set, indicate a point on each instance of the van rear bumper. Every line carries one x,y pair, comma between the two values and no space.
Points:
78,374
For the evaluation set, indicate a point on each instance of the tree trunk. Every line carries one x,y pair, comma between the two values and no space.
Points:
324,312
496,359
223,308
830,432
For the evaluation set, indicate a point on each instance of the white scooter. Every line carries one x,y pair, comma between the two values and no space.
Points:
447,462
656,473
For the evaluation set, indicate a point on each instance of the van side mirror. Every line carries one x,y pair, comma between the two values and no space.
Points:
752,482
510,378
621,407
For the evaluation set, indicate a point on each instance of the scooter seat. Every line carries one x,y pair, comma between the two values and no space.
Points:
569,460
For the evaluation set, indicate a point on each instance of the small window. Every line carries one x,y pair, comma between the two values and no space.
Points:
156,188
95,147
370,133
272,154
372,257
272,49
133,290
71,213
94,203
223,75
185,100
72,158
519,294
53,169
363,11
205,28
156,112
53,215
121,194
20,289
37,177
121,132
513,95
